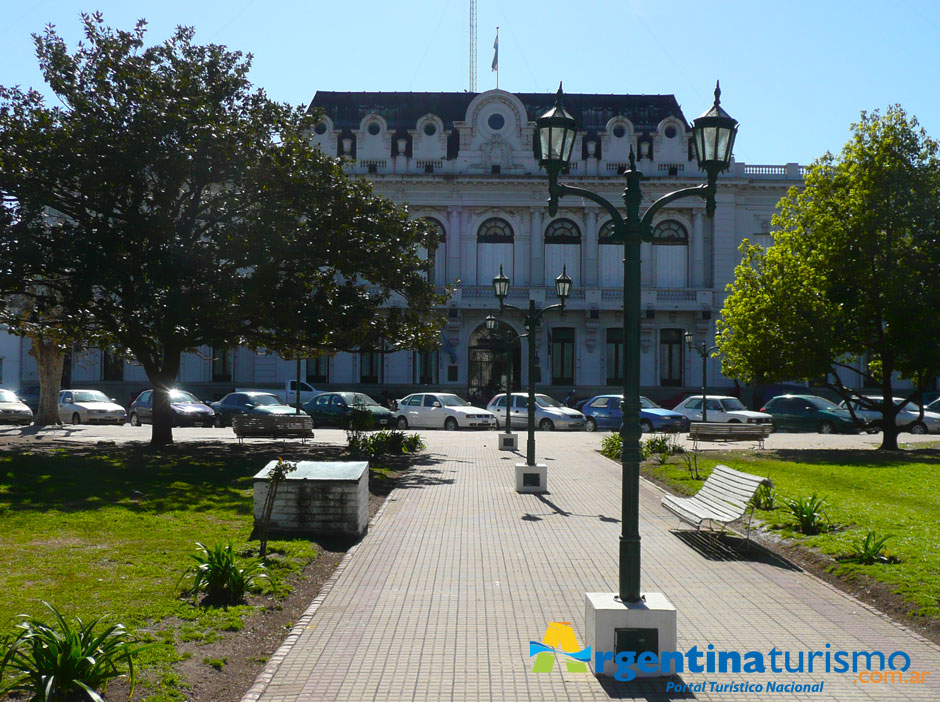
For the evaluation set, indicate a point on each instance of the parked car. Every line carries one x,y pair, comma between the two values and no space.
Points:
248,402
549,414
339,408
188,410
603,412
811,413
89,407
12,410
288,395
721,408
441,410
908,417
29,396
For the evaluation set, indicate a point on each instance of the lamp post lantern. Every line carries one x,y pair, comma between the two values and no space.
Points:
532,319
704,352
713,135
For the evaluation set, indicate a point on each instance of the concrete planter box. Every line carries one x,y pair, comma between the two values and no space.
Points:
320,497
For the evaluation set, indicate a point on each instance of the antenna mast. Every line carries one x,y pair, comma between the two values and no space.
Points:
473,46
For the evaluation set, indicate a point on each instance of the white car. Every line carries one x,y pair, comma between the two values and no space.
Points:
89,407
13,410
550,414
441,410
720,408
908,417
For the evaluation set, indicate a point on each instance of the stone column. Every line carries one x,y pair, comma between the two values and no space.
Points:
454,236
538,247
589,250
697,277
468,250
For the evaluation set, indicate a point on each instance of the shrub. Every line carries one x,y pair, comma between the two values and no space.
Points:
869,550
219,573
765,498
385,443
67,660
809,513
612,446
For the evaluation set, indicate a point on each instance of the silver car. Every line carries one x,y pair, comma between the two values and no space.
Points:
908,416
89,407
549,414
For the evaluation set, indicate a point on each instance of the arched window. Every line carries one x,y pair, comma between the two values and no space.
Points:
562,231
609,261
671,247
495,230
605,234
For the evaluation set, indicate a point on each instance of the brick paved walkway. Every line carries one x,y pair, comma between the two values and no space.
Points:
459,573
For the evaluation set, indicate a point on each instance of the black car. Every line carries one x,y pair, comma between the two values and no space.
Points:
188,410
248,402
337,409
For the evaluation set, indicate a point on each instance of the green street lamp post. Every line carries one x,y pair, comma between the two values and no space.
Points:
492,324
713,137
532,319
704,352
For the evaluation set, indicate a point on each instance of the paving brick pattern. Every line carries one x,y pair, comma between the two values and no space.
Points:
459,572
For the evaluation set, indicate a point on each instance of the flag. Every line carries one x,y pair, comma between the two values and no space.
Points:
495,65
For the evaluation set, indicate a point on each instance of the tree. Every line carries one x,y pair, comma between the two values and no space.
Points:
194,211
852,282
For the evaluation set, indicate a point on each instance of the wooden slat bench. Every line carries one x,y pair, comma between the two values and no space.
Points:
273,425
729,431
724,498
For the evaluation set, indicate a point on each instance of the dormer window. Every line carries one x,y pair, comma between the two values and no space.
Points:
620,131
496,121
430,129
320,128
374,128
670,132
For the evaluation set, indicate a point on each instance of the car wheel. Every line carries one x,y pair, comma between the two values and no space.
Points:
734,421
402,423
450,424
919,428
827,428
590,424
646,426
134,420
219,421
547,425
76,418
313,422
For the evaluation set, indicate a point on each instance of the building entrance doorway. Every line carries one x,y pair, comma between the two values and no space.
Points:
490,364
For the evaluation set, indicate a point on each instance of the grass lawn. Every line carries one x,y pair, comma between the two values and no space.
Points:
891,493
108,531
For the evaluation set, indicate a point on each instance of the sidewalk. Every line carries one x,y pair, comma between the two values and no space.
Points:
459,572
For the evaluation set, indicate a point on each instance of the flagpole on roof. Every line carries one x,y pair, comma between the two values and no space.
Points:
496,57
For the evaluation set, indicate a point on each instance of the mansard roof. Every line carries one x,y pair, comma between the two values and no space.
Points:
402,110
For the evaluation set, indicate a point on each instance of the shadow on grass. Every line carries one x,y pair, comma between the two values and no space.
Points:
181,477
730,547
651,690
858,457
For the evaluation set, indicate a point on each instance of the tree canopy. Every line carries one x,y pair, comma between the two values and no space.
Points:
188,209
851,284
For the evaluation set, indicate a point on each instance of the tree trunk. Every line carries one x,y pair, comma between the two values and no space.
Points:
889,414
163,379
49,359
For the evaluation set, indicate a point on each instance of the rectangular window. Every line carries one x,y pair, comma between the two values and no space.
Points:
562,356
670,357
318,369
222,362
425,367
615,356
112,365
370,367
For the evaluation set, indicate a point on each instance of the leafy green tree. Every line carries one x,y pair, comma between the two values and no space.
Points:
192,210
852,280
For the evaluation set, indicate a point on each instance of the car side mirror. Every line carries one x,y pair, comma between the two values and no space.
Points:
249,406
113,399
436,404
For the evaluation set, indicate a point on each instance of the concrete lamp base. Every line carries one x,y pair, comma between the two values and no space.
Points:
614,626
531,479
508,442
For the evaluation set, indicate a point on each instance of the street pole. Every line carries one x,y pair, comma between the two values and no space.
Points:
704,352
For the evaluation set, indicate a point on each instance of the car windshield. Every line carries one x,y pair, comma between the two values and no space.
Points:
452,401
822,403
182,397
357,398
733,404
8,396
257,400
546,401
646,403
91,396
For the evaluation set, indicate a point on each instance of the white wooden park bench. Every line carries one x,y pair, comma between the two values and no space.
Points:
729,431
724,497
273,425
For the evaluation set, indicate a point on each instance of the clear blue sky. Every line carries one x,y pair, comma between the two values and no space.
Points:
795,74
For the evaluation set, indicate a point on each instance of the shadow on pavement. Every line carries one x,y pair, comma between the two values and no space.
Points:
651,690
730,547
529,517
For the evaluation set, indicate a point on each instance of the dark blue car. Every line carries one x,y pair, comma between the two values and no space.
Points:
603,412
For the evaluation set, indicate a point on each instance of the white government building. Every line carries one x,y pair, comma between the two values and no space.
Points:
466,161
